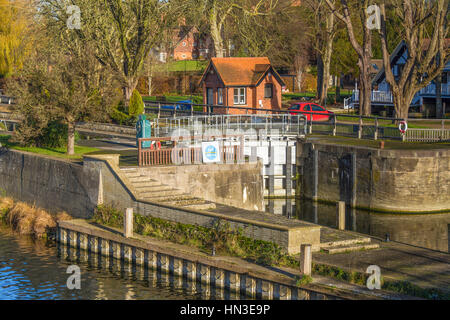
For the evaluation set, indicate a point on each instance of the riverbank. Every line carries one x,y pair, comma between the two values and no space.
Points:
269,255
174,258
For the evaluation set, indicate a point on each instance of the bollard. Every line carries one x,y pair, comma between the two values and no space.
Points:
128,223
340,215
305,259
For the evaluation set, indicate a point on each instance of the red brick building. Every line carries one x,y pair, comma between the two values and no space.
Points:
241,82
189,44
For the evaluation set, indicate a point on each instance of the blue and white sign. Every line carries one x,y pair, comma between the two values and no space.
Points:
211,152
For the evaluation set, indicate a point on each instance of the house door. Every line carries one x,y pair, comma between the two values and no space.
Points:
209,96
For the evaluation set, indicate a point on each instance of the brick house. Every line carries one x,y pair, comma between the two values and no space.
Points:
241,82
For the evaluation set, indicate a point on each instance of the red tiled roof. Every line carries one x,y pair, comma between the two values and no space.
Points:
241,71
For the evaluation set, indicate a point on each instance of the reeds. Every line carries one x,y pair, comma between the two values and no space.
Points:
29,220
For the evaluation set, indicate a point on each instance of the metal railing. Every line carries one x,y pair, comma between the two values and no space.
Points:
431,89
376,96
188,152
6,100
283,124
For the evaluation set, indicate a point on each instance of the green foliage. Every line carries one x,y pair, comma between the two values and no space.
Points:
232,242
54,136
119,117
219,236
303,280
136,106
407,288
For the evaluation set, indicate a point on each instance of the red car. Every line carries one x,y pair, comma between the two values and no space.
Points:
319,113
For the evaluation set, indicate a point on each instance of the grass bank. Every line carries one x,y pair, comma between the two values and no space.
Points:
29,220
232,243
5,141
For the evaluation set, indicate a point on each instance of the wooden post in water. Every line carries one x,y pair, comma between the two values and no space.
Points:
305,259
128,223
340,215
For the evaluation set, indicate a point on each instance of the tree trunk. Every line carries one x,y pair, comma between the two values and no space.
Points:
338,88
150,85
216,33
320,77
70,138
439,98
326,78
401,104
365,90
128,89
299,80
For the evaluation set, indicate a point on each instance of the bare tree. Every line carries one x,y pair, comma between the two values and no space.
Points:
123,32
219,12
425,32
322,33
363,48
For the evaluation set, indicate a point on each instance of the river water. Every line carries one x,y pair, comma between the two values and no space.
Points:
32,269
431,231
36,269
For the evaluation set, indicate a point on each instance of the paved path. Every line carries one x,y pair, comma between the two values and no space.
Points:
423,267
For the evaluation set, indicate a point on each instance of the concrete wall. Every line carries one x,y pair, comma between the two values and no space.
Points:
238,185
117,191
389,180
52,184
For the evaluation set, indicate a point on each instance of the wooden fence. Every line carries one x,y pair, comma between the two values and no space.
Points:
174,155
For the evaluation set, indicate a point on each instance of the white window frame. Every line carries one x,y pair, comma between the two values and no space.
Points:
241,93
219,95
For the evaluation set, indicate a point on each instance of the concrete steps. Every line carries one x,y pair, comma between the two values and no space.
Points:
155,191
350,248
336,245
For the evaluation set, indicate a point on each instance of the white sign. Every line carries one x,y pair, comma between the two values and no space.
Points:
211,152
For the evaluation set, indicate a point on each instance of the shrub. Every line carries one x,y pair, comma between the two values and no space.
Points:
136,106
54,135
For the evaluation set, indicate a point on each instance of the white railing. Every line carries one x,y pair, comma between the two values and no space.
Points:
6,100
283,124
427,135
431,89
376,96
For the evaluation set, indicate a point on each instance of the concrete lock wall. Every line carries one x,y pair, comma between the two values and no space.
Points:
238,185
387,180
116,190
51,184
279,169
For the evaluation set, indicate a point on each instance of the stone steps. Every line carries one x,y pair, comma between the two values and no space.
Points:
155,191
349,242
351,248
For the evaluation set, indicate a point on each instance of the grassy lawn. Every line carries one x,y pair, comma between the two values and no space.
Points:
182,66
176,98
54,152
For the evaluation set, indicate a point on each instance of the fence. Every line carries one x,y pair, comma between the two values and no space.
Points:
284,124
427,135
188,152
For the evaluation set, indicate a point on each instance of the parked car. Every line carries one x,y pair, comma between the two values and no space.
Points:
318,113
